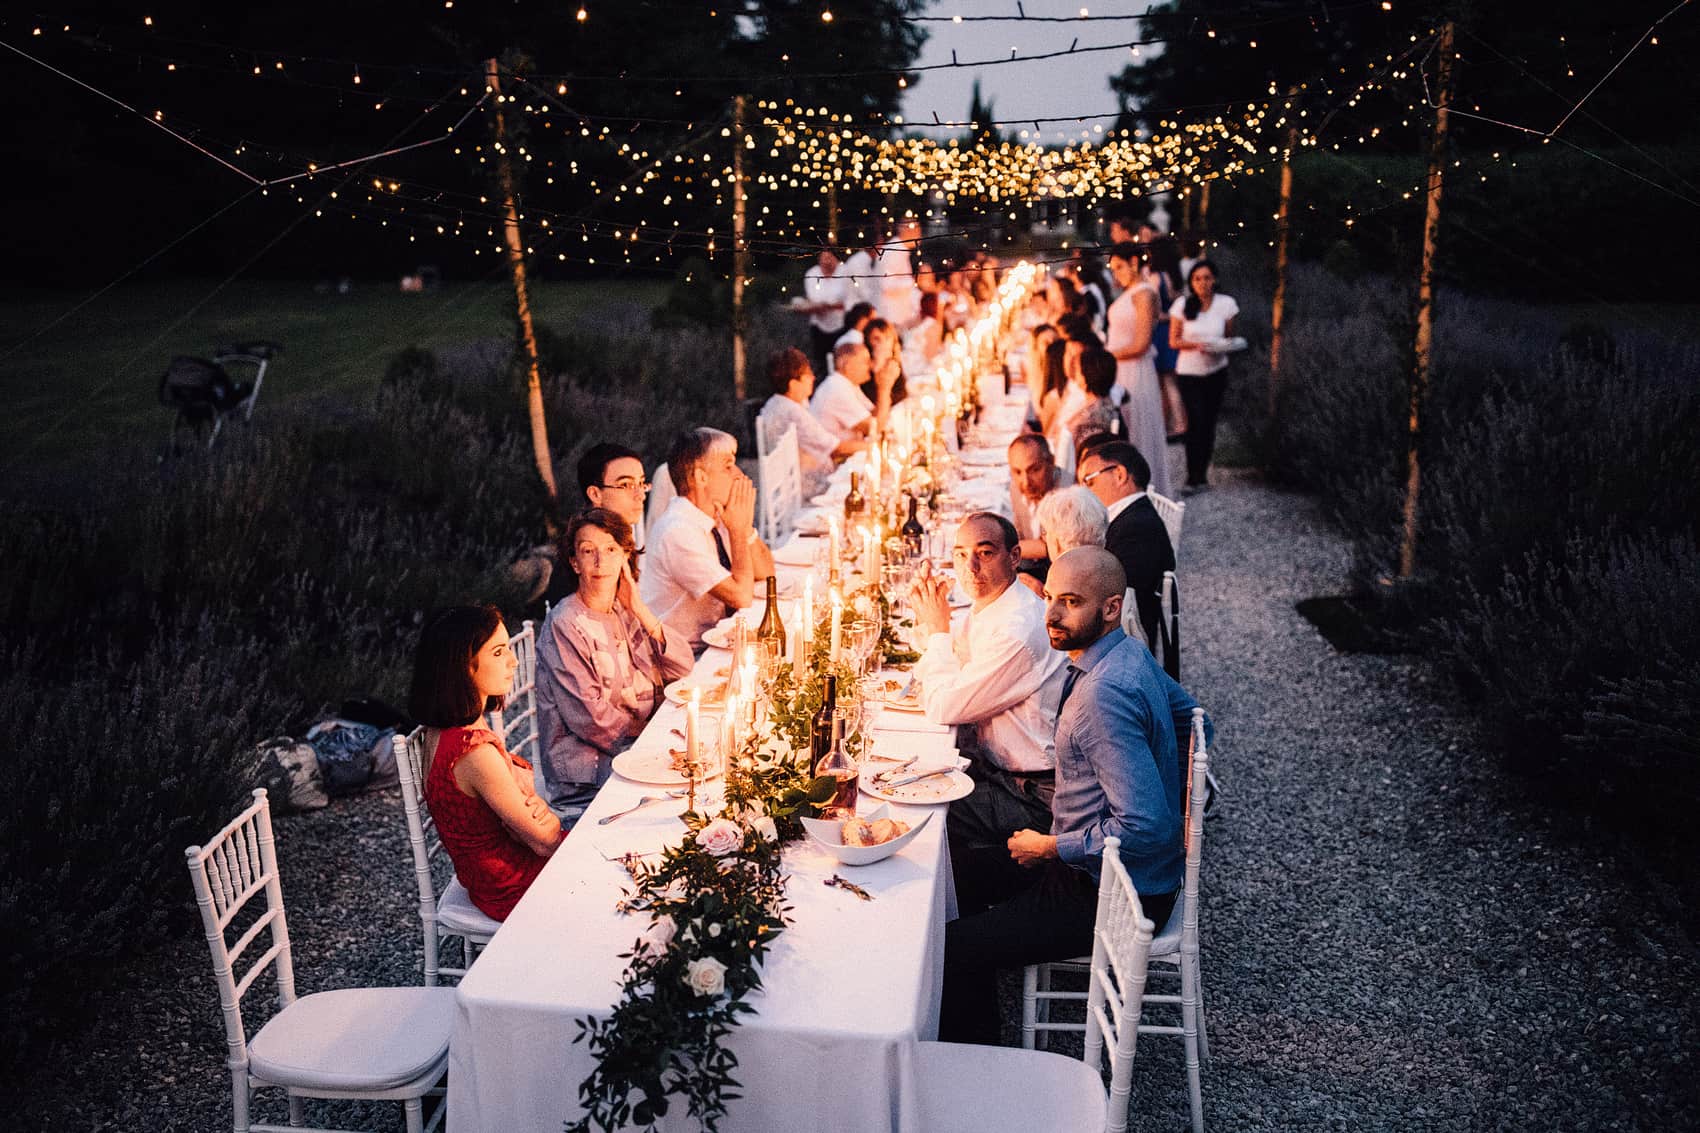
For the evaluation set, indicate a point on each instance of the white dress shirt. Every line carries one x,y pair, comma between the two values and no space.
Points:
999,672
815,442
818,287
859,285
680,568
1123,504
840,405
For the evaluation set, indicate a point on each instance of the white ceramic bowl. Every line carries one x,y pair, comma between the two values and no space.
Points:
829,834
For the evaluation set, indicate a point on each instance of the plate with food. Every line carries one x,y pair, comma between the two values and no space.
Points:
941,785
865,838
903,693
656,767
712,683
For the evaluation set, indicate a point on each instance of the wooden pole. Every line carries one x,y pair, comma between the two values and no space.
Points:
516,261
1423,354
832,213
1278,308
740,248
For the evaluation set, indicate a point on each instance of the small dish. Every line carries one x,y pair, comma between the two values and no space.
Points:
829,835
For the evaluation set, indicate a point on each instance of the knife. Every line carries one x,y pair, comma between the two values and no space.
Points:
907,779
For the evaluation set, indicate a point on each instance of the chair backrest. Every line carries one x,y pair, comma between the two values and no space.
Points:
1196,790
422,838
237,867
1172,513
1169,627
1131,625
1121,949
516,723
661,493
779,483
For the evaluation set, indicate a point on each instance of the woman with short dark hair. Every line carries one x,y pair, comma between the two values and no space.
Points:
497,831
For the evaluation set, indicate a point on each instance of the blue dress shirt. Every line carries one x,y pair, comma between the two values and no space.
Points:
1119,767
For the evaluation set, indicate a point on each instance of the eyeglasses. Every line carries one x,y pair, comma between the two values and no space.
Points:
629,485
1087,479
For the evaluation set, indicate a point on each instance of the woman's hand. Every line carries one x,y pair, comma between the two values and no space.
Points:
626,594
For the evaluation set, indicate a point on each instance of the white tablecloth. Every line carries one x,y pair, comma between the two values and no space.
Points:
849,986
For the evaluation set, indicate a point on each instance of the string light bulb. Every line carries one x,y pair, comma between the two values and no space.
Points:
826,15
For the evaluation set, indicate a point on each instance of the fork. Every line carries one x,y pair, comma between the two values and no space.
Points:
640,804
896,768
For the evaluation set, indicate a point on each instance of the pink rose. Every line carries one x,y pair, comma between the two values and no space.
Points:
706,976
721,837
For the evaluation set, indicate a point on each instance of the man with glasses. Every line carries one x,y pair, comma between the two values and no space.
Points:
1118,475
999,681
611,476
704,555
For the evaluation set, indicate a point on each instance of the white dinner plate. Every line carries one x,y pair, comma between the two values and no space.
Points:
984,458
934,789
651,766
680,690
718,636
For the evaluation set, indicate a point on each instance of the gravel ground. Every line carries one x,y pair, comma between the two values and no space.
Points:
1393,937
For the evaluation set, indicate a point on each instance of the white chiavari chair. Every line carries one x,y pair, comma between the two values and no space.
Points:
661,493
779,486
1175,951
451,916
979,1089
1172,513
369,1043
516,720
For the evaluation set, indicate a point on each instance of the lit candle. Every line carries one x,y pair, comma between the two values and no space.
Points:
837,627
693,708
808,609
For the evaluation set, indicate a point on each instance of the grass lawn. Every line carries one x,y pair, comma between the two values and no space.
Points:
90,383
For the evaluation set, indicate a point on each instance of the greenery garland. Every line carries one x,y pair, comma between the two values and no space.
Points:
716,902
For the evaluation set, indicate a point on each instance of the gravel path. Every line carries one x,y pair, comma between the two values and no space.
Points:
1392,937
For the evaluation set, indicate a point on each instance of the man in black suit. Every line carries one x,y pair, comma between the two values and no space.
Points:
1117,474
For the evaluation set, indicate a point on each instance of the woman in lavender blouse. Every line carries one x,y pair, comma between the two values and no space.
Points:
602,660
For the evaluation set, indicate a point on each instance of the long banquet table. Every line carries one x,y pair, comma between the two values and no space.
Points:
849,986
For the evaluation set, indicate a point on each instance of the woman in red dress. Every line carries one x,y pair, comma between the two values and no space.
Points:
497,831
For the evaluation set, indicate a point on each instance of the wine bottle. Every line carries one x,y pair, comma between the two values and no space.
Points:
914,535
820,729
770,634
838,765
855,503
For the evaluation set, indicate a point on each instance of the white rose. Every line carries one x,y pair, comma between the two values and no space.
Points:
706,976
766,828
658,935
721,837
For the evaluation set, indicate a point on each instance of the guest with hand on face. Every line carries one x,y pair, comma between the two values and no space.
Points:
818,447
602,660
704,555
497,831
997,680
1121,741
885,352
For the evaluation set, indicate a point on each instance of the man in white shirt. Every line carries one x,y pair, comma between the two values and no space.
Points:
825,290
793,380
998,679
703,554
899,300
839,403
858,271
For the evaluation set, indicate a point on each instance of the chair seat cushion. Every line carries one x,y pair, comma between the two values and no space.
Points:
458,916
363,1038
984,1089
1167,943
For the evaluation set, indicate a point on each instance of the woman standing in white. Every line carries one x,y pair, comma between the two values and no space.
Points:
1132,318
1200,322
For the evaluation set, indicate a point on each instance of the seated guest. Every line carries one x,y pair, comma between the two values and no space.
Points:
885,352
611,476
1097,370
838,401
793,380
602,660
927,335
998,680
1118,475
1122,737
1053,369
1072,517
703,553
1033,475
855,319
497,831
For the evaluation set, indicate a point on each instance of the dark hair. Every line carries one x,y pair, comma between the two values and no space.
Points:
1073,301
1124,454
1098,371
786,366
860,312
876,325
595,461
1193,303
929,304
1166,260
602,519
1085,448
1011,537
443,694
1035,441
691,448
1075,327
1056,378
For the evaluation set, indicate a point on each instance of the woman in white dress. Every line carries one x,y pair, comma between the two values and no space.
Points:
1133,316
